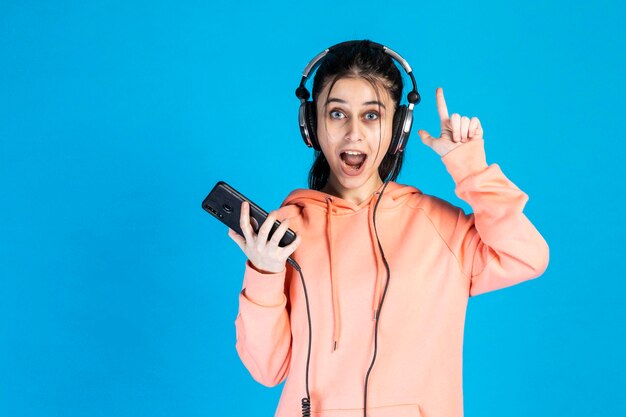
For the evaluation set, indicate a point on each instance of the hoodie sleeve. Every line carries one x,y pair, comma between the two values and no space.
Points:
496,246
262,326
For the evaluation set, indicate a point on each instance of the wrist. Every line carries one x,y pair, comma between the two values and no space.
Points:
267,290
266,270
466,160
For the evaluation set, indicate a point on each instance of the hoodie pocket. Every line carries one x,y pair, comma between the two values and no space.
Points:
401,410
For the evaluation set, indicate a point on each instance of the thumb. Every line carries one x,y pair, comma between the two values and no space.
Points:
426,137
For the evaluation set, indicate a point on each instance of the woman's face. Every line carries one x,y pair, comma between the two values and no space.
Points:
354,128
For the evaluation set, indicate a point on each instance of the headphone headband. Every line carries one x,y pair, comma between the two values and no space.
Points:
301,91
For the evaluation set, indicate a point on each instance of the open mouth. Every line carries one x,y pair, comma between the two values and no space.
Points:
353,161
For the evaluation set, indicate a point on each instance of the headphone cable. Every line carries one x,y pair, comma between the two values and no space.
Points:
306,401
382,299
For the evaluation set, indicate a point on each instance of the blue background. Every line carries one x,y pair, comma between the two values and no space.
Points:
118,294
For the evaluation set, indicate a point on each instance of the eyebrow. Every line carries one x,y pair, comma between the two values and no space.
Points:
367,103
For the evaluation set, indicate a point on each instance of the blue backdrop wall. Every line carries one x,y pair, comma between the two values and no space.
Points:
118,294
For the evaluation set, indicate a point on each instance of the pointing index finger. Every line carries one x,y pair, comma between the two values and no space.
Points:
441,105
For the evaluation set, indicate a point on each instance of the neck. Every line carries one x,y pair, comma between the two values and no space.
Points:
354,195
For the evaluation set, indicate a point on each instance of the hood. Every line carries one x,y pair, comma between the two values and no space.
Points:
394,195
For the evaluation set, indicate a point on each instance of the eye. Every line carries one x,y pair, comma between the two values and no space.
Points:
336,114
371,115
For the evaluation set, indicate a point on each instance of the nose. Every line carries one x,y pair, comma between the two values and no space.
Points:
354,132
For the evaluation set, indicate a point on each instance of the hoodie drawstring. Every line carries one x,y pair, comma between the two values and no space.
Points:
333,280
378,285
379,282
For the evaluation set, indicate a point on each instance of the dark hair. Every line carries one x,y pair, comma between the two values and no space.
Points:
358,59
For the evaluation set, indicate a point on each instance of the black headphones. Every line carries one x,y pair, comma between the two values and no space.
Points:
402,119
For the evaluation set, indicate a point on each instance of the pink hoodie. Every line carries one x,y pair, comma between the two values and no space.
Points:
438,257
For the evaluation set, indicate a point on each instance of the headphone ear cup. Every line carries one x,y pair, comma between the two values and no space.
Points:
311,123
398,139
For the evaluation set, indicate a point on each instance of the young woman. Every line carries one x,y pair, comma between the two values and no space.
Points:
364,239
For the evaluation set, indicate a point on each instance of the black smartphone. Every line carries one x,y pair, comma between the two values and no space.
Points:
224,203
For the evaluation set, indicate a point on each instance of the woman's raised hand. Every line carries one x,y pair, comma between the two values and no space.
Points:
455,130
264,254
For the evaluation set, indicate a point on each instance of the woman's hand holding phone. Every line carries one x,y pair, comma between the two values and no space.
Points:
265,255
